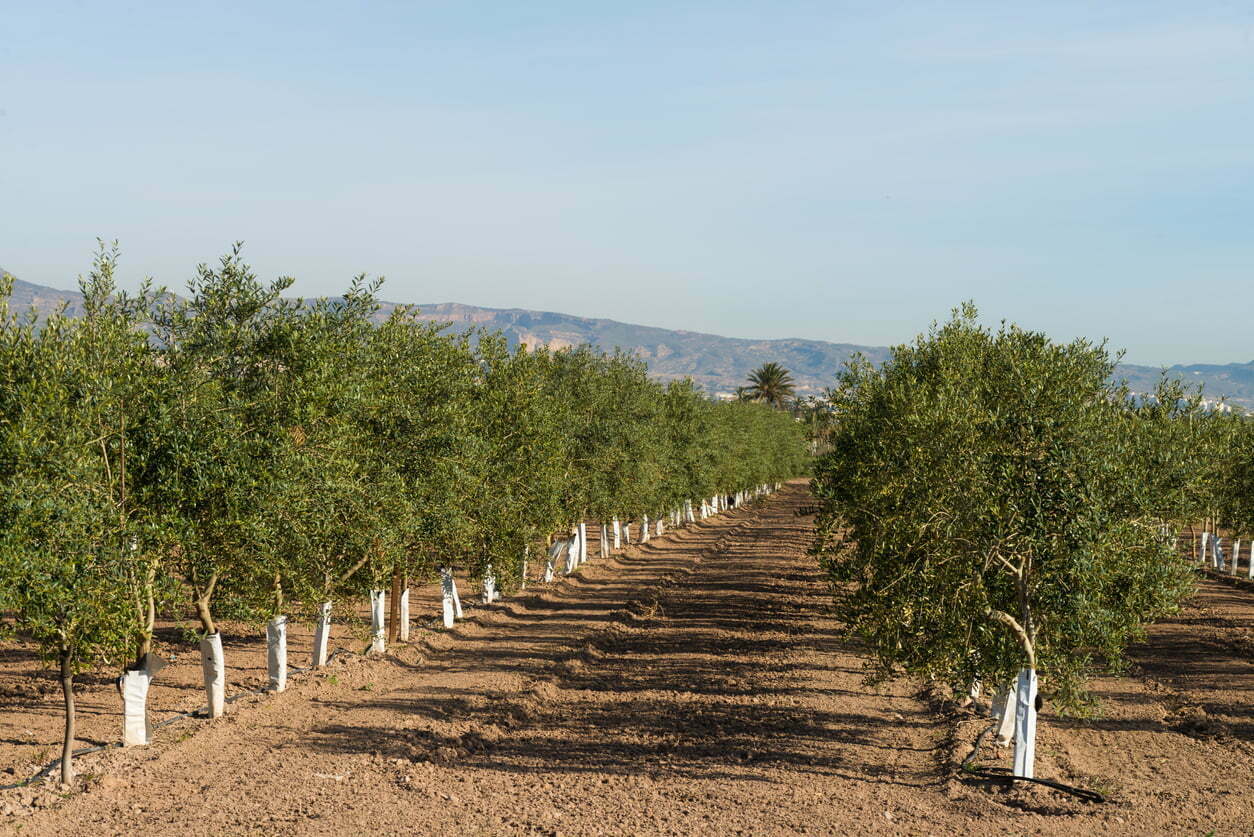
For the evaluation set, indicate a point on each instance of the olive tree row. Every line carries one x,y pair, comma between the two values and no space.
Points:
239,454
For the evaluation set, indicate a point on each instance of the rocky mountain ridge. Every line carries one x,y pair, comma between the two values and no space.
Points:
717,363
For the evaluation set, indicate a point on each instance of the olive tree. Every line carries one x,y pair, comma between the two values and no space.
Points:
986,512
73,392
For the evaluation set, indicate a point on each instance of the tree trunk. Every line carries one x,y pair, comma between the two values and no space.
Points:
144,645
203,597
67,743
205,615
394,632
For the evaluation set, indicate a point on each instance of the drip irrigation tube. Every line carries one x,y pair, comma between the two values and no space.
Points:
1001,774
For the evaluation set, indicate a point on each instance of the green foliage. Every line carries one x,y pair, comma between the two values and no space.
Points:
264,454
992,502
74,558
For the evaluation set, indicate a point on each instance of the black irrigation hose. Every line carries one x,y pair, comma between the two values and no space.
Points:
1001,774
52,765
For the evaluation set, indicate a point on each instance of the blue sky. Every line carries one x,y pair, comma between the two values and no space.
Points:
840,171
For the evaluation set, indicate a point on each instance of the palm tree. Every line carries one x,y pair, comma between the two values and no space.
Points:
771,383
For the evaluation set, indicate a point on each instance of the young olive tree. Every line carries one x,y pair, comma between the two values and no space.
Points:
213,463
996,515
73,391
518,447
414,421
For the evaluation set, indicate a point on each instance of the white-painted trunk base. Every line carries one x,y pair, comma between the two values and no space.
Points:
555,550
322,636
402,630
489,586
449,592
1025,724
378,625
213,667
644,529
1003,709
276,654
136,731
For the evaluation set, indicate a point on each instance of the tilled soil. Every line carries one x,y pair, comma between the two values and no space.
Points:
693,685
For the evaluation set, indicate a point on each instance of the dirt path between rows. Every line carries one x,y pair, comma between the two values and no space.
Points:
692,685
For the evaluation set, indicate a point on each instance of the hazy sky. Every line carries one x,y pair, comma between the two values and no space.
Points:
841,171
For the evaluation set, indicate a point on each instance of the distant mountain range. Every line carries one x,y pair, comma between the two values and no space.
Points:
718,364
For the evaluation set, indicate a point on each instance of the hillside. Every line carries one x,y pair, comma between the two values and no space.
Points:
719,364
42,299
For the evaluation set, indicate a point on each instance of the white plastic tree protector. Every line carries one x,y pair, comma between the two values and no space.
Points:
402,630
1202,553
554,552
618,534
276,653
1249,573
522,582
378,626
583,543
1025,724
604,548
457,600
489,586
572,555
448,591
1003,709
644,528
692,518
627,532
322,635
1219,553
214,669
136,731
1236,554
660,528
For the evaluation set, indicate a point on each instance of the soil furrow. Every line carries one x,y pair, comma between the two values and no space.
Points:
695,684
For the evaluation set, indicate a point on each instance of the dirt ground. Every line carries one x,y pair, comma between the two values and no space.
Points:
693,685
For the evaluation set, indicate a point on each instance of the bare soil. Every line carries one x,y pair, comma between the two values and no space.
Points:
695,684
